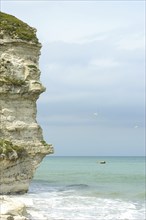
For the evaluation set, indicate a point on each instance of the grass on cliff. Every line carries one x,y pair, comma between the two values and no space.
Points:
16,28
11,81
7,148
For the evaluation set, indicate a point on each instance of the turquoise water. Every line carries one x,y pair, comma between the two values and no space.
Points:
80,188
122,177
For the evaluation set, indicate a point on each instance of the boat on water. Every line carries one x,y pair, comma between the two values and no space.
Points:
102,162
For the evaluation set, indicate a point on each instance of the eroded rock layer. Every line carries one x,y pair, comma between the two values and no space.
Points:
21,141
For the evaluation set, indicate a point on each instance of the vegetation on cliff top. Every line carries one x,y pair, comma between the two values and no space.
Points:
16,29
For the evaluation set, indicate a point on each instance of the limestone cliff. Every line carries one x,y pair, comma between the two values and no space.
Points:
21,142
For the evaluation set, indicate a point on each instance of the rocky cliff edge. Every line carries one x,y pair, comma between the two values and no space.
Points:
22,146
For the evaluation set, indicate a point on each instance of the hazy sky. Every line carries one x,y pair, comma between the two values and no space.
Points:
92,64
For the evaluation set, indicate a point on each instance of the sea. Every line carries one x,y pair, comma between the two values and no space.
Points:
82,188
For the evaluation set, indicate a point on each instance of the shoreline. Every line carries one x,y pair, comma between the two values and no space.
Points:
16,207
81,189
12,209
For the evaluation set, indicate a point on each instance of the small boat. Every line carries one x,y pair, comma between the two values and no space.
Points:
102,162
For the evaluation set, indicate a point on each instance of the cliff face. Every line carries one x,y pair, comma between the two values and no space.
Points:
21,142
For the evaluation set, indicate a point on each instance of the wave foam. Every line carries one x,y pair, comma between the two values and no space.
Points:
68,205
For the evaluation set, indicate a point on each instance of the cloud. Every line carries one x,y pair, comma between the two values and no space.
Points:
92,66
132,41
104,63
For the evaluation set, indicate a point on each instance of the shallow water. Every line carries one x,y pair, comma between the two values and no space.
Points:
80,188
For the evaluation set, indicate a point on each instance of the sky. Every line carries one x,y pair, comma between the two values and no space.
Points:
93,67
